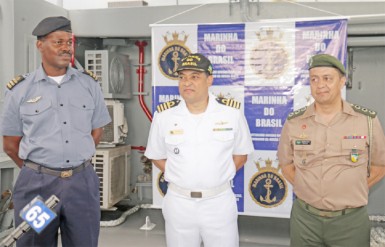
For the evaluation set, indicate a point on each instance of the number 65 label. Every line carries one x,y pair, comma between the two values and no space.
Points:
37,215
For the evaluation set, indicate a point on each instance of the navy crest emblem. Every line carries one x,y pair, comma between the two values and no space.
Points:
267,187
162,184
172,53
269,58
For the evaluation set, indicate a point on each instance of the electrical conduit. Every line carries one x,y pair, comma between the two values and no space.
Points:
140,71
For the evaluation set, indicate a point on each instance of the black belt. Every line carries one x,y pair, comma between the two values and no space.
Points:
63,173
323,212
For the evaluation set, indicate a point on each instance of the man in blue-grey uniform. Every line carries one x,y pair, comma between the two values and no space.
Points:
52,121
199,142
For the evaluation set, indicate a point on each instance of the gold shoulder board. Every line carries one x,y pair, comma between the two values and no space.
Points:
229,102
364,110
167,105
296,113
90,73
15,81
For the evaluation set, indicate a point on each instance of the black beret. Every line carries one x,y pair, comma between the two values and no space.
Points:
52,24
325,60
196,61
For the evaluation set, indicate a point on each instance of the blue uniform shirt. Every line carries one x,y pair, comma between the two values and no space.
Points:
54,120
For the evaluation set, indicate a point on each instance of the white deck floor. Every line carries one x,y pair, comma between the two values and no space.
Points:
254,231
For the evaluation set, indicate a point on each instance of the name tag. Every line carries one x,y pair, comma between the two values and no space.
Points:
302,142
177,132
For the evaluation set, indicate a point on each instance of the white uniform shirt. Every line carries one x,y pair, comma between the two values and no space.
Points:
199,150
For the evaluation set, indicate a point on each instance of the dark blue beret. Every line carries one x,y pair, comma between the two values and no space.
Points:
52,24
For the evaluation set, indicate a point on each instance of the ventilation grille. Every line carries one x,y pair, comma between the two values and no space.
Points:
98,162
112,70
113,169
118,175
108,130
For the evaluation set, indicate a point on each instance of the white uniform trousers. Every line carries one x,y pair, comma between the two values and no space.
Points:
189,221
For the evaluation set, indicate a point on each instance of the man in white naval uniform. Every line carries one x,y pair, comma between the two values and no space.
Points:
199,142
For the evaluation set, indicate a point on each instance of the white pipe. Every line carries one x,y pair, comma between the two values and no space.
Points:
245,11
367,29
362,19
366,41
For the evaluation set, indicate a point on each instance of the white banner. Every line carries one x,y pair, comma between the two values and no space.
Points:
262,65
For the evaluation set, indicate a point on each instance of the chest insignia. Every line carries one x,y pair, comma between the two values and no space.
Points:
34,100
354,156
296,113
354,137
222,129
364,110
12,83
229,102
167,105
221,123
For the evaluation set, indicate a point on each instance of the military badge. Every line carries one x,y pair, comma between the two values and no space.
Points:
172,53
162,184
34,100
269,58
354,155
267,187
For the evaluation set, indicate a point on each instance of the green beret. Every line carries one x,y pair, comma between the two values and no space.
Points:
52,24
325,60
196,61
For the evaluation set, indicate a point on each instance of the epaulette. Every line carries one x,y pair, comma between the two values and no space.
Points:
90,73
15,81
229,102
364,110
167,105
296,113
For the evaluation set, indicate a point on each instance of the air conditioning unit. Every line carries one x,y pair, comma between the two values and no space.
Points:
112,70
116,131
112,165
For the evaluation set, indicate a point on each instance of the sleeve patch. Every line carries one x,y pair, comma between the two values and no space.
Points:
229,102
167,105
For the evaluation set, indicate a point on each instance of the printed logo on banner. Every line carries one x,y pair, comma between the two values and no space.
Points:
172,53
267,187
269,58
162,184
222,95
